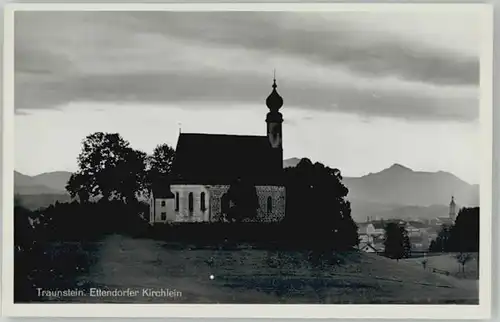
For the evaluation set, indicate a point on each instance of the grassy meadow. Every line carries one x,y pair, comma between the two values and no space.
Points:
250,275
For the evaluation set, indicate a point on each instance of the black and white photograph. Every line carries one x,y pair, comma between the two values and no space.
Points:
216,156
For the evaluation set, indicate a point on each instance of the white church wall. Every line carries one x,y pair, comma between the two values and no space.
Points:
182,212
164,210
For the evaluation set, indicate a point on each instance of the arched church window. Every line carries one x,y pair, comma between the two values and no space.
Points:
191,202
269,204
163,203
176,201
202,201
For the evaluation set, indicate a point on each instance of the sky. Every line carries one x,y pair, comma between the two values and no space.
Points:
361,90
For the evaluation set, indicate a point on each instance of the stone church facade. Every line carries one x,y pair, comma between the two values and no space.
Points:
206,164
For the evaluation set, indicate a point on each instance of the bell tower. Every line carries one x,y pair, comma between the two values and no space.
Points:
453,209
274,119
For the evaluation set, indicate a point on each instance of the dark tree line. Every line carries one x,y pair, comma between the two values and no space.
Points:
53,245
110,179
50,243
108,184
463,236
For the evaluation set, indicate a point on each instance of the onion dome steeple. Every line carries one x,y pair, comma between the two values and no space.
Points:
274,120
274,101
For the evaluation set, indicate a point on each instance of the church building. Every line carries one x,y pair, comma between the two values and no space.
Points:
206,165
453,210
452,214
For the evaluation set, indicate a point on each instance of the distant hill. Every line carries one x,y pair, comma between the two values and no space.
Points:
41,190
400,192
56,180
45,183
289,163
400,185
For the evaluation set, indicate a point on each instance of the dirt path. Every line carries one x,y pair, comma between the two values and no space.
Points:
142,266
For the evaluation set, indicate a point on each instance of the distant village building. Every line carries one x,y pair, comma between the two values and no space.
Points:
371,233
415,228
206,165
369,248
374,228
371,236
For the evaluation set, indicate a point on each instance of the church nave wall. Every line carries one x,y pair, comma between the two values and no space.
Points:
271,203
187,210
276,193
216,193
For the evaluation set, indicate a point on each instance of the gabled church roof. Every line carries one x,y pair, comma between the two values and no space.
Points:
220,159
162,191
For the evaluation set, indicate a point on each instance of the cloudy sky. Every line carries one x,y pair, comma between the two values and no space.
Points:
361,90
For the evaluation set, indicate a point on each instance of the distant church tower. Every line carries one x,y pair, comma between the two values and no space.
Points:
453,209
274,120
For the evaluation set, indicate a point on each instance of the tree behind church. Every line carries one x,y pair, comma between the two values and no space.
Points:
160,165
316,205
243,201
108,169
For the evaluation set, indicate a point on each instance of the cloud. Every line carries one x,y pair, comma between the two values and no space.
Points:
354,63
185,88
330,41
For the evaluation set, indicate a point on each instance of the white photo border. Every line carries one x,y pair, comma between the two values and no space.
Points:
480,311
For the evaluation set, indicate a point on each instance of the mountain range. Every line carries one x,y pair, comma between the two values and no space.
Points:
41,190
45,183
395,192
400,192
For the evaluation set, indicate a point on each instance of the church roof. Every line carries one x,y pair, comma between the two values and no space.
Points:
220,159
162,191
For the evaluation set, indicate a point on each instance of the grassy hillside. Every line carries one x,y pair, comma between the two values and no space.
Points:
263,276
448,263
